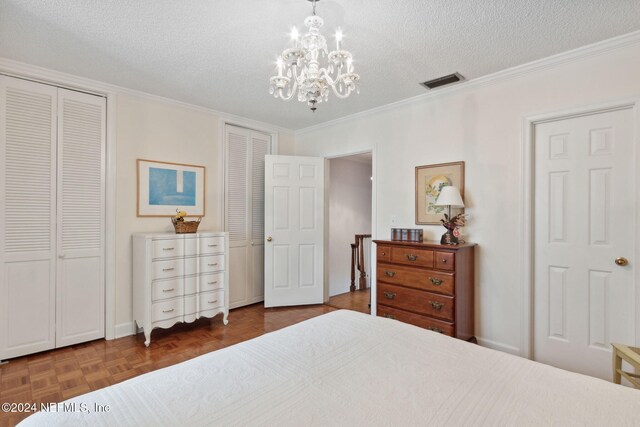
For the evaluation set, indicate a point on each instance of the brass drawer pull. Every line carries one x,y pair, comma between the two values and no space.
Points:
168,269
383,253
412,257
389,295
438,330
168,249
212,265
389,316
435,281
168,290
168,311
212,283
212,302
212,246
437,305
390,273
444,260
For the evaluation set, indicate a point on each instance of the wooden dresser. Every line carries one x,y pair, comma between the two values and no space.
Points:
428,285
179,278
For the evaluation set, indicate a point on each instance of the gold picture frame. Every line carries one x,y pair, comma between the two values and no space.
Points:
164,188
429,182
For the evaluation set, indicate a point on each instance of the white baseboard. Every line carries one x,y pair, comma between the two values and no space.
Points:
125,329
499,346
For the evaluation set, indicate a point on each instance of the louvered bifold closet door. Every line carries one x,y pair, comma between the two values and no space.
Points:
27,212
260,147
244,213
81,208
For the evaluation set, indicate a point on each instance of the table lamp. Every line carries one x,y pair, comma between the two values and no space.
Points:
449,196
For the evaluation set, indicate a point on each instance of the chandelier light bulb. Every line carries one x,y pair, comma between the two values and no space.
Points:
310,70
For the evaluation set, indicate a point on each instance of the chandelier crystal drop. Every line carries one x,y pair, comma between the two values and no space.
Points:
300,70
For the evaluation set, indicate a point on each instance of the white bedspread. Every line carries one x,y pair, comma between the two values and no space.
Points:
351,369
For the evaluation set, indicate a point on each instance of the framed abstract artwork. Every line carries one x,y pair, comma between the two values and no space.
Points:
164,188
430,180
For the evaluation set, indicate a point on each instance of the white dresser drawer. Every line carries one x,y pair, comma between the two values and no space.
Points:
167,269
165,289
211,300
211,282
210,264
211,245
167,309
167,248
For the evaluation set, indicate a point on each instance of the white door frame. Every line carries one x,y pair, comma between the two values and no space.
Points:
374,192
527,218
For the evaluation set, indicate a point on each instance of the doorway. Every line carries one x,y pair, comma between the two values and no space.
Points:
584,251
350,207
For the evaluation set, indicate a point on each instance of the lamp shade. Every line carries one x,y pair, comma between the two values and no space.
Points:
450,196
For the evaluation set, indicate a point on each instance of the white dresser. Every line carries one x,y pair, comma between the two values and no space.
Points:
179,278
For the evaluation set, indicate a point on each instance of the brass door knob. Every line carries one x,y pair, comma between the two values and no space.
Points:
622,261
269,239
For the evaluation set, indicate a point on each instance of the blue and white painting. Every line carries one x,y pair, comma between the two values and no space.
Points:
172,187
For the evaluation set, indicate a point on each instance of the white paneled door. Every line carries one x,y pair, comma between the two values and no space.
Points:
294,230
52,145
585,200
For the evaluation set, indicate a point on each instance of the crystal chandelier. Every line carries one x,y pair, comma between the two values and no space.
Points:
299,67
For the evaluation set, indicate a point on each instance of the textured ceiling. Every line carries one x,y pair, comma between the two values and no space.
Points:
221,53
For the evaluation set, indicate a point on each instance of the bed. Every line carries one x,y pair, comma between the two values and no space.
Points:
348,368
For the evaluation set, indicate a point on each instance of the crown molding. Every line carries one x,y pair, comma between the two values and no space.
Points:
580,53
44,75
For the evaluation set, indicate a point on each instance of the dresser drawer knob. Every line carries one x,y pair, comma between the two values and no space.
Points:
383,253
390,273
437,305
412,257
444,260
168,311
435,281
168,290
389,295
389,316
438,330
168,269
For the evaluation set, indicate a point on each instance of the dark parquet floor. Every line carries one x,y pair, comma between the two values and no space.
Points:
60,374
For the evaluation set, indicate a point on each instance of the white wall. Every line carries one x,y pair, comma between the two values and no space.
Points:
162,131
349,214
482,125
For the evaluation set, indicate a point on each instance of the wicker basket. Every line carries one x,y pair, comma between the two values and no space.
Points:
184,227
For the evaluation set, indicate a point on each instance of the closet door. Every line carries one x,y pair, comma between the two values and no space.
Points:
27,217
81,207
244,213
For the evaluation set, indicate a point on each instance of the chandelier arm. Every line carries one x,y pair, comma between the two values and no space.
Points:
293,91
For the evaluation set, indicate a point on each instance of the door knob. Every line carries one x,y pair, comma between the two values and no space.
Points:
622,261
269,239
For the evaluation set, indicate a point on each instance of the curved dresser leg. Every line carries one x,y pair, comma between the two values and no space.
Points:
147,335
225,319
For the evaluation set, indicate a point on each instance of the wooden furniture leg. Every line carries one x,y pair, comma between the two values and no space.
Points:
617,366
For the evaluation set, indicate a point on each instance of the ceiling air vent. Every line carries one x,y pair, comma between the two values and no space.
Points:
442,81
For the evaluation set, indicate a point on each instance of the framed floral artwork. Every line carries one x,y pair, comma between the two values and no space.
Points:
165,188
430,179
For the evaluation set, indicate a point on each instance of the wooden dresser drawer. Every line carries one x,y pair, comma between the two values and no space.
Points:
383,253
412,256
420,302
417,320
445,260
418,278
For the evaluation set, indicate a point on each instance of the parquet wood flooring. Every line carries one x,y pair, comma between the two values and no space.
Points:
356,300
60,374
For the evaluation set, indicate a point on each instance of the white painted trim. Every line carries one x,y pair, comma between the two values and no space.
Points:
110,220
578,54
527,182
125,329
499,346
70,81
